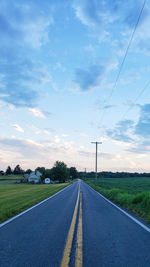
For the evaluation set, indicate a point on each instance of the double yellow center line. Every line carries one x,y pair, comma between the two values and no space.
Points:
67,251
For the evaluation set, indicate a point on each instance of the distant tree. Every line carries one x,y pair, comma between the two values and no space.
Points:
48,173
28,171
8,170
73,172
18,170
1,172
41,170
60,171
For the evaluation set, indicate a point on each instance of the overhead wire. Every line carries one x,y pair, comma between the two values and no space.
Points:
124,58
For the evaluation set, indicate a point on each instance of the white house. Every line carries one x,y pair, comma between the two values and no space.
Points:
34,177
47,180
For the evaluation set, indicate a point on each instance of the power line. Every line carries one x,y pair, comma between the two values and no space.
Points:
124,58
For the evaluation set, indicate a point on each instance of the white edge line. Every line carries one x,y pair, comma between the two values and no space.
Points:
127,214
36,205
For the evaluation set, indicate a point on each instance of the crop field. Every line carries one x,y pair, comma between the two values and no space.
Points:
14,198
130,193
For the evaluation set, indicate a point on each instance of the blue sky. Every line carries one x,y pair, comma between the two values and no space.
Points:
58,65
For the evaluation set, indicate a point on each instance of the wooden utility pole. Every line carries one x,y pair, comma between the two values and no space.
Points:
96,143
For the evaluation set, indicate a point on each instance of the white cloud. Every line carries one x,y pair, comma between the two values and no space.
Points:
57,139
32,153
89,154
83,134
46,132
37,113
38,130
18,128
64,135
36,31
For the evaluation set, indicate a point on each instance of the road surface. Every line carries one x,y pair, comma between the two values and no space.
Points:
77,227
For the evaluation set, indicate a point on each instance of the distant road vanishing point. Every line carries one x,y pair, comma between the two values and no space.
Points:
75,227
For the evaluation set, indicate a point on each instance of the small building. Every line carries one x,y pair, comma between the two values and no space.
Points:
34,177
47,180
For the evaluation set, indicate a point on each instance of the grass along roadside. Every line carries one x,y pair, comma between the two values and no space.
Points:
130,193
16,198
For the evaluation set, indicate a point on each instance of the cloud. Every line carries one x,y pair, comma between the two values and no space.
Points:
142,128
83,135
125,125
2,114
97,13
38,113
23,30
93,13
121,131
107,18
116,135
95,75
18,128
144,44
25,148
39,131
90,78
132,12
25,21
102,155
18,77
109,106
142,38
100,105
34,152
28,149
142,148
64,135
135,135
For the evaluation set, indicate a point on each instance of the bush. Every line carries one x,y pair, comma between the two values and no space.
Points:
146,200
124,199
138,198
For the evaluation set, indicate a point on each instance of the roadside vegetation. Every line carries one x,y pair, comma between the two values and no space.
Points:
16,198
17,194
130,193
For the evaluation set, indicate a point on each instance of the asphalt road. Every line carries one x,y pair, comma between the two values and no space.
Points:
77,227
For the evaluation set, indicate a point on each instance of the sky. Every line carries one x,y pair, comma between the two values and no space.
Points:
58,65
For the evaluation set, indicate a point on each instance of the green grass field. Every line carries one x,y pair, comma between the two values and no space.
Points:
130,193
9,179
15,198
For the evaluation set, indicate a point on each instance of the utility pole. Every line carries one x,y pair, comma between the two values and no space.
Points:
96,143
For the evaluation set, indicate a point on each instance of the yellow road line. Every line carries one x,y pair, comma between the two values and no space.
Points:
79,238
66,256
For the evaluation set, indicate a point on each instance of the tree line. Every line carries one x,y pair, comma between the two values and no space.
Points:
59,172
109,174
